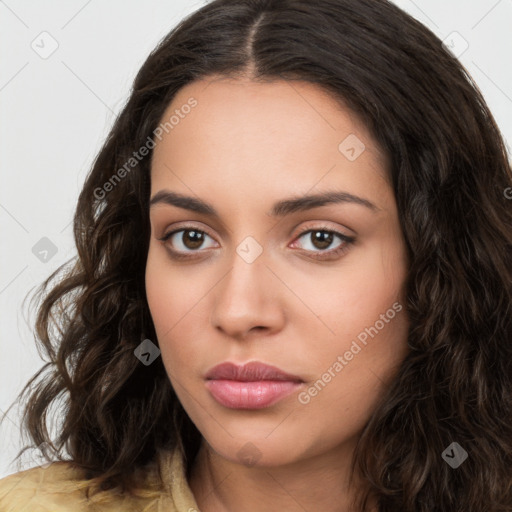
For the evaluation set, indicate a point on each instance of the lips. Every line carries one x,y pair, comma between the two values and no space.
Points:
251,386
249,372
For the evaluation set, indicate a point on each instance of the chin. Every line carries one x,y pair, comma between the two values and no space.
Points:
257,452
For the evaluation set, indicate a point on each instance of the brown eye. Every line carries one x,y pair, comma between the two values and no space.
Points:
321,239
319,242
192,239
185,240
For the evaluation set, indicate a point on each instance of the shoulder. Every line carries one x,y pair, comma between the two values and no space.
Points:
40,488
58,487
61,487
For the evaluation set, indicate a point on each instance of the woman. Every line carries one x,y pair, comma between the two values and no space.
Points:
293,282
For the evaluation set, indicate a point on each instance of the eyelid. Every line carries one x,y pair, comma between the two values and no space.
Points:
322,225
185,226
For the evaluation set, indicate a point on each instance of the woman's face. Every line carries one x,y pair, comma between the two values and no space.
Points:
257,272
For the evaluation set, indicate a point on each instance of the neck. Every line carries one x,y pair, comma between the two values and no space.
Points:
318,483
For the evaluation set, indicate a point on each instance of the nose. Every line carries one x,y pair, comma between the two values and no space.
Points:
249,299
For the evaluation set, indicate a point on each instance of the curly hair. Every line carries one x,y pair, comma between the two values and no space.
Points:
449,172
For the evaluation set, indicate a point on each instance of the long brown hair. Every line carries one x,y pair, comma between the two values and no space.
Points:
450,173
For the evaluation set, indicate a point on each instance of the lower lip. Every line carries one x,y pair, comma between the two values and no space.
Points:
250,395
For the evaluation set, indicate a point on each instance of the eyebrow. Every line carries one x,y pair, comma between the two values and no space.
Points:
279,209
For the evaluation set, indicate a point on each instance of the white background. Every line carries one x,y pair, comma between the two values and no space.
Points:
55,113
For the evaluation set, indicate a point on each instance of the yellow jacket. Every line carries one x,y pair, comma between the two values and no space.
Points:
58,488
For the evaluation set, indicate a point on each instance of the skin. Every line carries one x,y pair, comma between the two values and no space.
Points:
242,148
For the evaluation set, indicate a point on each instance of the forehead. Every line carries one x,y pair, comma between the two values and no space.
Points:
257,137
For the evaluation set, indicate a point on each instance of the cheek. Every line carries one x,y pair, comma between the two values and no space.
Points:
354,369
363,305
176,302
160,290
172,293
353,297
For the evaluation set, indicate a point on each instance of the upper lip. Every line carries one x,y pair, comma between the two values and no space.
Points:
249,372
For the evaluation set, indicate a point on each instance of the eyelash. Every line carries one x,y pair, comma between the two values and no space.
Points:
339,251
